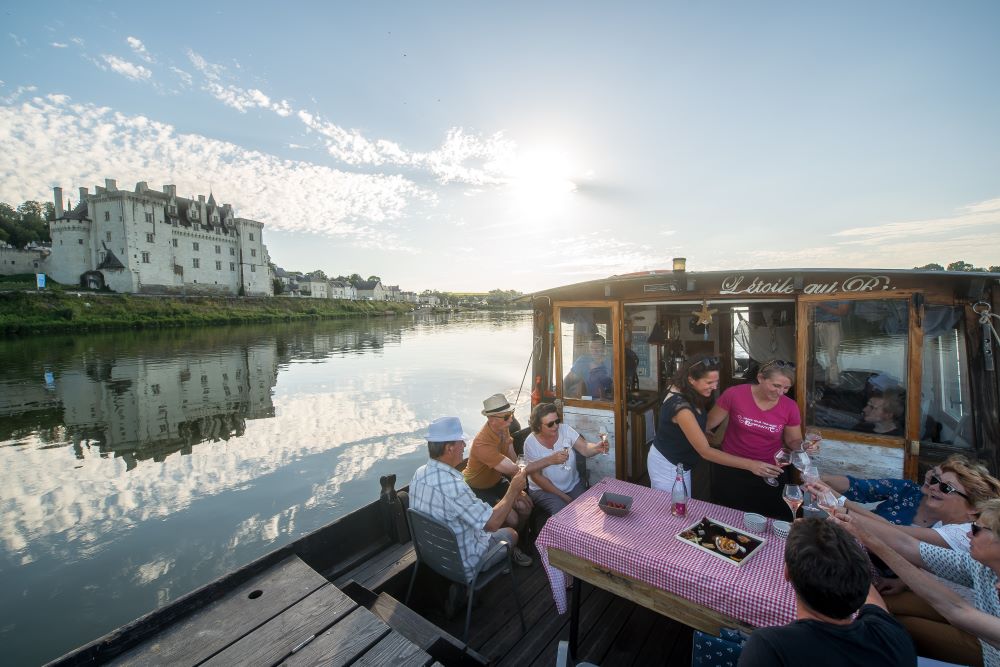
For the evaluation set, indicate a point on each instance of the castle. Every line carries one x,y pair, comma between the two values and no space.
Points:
155,242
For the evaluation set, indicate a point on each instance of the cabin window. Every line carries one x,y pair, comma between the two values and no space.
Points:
857,365
945,404
586,340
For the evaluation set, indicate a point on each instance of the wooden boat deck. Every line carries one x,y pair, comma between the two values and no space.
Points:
613,631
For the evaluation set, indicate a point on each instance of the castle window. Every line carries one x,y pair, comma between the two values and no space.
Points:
232,251
149,217
196,263
173,242
149,238
253,253
218,266
251,236
107,235
172,209
195,245
155,388
107,216
253,268
80,241
218,250
145,258
197,227
232,266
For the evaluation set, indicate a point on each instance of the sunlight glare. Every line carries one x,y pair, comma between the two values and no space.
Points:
541,180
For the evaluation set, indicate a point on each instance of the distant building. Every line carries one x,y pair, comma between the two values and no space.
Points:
156,242
343,290
372,290
31,259
316,286
429,300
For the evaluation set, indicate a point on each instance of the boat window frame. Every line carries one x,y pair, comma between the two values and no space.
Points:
914,371
617,350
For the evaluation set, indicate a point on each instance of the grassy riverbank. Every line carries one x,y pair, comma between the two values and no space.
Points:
59,311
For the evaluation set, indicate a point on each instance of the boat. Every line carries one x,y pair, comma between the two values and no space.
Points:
928,338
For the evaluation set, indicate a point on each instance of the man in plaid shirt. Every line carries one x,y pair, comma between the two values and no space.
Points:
439,490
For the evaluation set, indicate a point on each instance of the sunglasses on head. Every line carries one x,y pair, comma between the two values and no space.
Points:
945,487
976,528
776,363
552,423
707,361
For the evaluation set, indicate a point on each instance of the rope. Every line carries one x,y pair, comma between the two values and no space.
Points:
982,309
536,347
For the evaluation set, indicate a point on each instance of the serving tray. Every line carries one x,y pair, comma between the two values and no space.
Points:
703,535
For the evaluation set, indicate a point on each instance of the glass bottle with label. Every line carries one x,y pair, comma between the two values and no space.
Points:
679,494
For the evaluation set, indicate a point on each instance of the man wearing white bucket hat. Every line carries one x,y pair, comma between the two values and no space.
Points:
439,490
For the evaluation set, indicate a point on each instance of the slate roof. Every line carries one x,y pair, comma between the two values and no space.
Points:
111,260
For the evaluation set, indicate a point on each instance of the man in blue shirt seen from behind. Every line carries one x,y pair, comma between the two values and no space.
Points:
832,580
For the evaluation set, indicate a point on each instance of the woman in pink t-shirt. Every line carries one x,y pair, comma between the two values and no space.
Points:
762,420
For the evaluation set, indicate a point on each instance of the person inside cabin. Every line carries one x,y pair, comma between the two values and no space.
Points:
762,420
550,486
680,432
832,582
591,374
439,490
882,415
978,569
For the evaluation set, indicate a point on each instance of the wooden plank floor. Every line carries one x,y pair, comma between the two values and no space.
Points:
613,631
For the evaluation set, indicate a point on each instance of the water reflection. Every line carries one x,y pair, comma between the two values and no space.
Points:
141,465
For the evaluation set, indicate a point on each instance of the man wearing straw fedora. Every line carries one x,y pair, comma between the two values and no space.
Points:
492,460
439,490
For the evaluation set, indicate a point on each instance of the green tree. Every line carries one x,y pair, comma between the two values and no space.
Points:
279,287
933,266
961,265
374,279
355,279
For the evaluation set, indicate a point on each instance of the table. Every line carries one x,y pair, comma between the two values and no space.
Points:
639,558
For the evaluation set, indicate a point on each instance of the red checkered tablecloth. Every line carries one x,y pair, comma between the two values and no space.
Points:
643,546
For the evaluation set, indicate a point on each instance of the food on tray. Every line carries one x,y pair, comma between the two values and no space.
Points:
613,505
727,545
689,535
743,539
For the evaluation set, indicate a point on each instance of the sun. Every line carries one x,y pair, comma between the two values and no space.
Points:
541,180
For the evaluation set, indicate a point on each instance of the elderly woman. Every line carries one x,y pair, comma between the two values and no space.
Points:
680,432
762,420
554,487
951,494
978,570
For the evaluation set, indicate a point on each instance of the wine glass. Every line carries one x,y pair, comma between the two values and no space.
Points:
827,501
569,455
521,463
800,460
793,498
781,458
810,474
603,434
812,435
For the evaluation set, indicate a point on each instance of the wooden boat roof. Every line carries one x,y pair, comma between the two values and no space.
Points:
787,282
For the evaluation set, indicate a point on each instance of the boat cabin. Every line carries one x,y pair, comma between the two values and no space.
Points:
919,346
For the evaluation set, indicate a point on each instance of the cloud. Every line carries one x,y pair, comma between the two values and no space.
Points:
58,45
462,157
591,256
139,49
51,140
127,69
185,77
18,41
16,95
984,214
232,95
76,40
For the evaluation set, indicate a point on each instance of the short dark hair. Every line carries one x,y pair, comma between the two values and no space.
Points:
828,570
539,411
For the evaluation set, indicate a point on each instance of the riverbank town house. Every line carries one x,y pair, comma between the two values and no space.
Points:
156,242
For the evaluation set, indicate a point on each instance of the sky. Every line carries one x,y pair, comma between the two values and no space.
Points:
476,146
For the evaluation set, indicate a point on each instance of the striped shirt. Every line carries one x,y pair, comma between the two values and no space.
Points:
440,491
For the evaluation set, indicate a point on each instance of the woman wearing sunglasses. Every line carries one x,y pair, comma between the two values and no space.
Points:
555,486
965,632
762,421
680,430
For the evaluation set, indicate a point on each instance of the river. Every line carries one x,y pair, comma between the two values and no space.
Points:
137,466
